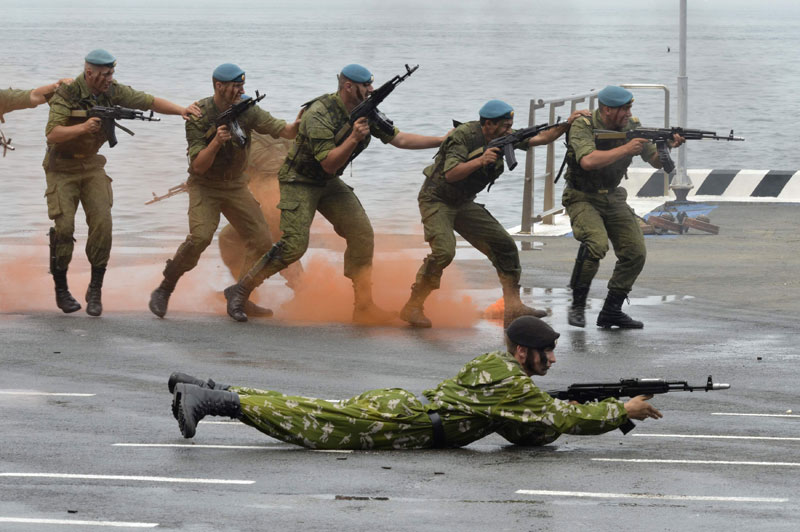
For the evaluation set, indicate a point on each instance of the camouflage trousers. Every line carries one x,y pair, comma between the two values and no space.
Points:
378,419
597,218
242,211
88,185
337,202
478,227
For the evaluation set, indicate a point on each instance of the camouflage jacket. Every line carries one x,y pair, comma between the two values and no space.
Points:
582,142
231,160
464,143
492,393
324,125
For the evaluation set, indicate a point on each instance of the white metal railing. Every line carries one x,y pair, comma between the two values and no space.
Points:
548,208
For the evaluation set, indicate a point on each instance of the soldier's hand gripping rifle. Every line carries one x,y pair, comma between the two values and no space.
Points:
108,117
661,137
5,143
369,107
230,118
507,144
173,191
583,393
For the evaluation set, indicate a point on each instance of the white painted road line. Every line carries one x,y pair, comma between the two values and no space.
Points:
53,394
713,462
652,496
717,437
127,477
752,415
118,524
256,447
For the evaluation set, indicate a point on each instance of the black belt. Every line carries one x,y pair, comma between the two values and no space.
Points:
439,440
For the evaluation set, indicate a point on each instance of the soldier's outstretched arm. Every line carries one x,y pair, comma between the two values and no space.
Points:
412,141
43,93
165,107
549,135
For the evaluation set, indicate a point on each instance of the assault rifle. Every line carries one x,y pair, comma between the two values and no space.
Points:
108,117
507,144
5,143
369,107
583,393
230,118
173,191
661,136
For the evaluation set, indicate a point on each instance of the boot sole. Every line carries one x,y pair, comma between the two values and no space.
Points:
153,308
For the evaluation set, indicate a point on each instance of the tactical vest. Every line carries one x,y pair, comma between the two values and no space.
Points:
436,186
300,159
605,178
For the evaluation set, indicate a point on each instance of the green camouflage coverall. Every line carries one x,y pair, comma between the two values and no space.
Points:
75,171
306,188
223,188
13,100
490,394
447,207
597,208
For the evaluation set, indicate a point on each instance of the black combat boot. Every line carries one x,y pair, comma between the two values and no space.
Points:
513,307
194,403
159,298
576,314
238,294
178,377
611,314
94,305
365,311
412,311
64,299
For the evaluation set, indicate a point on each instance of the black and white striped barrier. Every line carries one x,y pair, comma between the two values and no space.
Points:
721,185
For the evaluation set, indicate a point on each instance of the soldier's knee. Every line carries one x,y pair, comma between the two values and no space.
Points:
597,250
293,249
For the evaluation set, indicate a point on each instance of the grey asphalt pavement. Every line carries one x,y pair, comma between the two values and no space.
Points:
82,396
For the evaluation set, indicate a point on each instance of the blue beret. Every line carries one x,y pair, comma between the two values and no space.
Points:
613,96
494,109
100,57
228,72
357,73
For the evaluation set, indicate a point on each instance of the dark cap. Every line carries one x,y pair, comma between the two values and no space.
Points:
532,332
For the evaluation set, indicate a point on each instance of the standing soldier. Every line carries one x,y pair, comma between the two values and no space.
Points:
597,208
75,171
217,183
446,202
310,182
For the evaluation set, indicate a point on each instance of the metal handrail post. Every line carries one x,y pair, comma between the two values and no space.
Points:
549,185
526,224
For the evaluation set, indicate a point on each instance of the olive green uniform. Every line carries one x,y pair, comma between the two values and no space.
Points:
222,189
490,394
447,207
306,188
597,208
75,171
13,100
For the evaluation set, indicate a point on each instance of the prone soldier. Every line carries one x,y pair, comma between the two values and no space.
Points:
75,170
217,184
597,206
491,393
310,181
